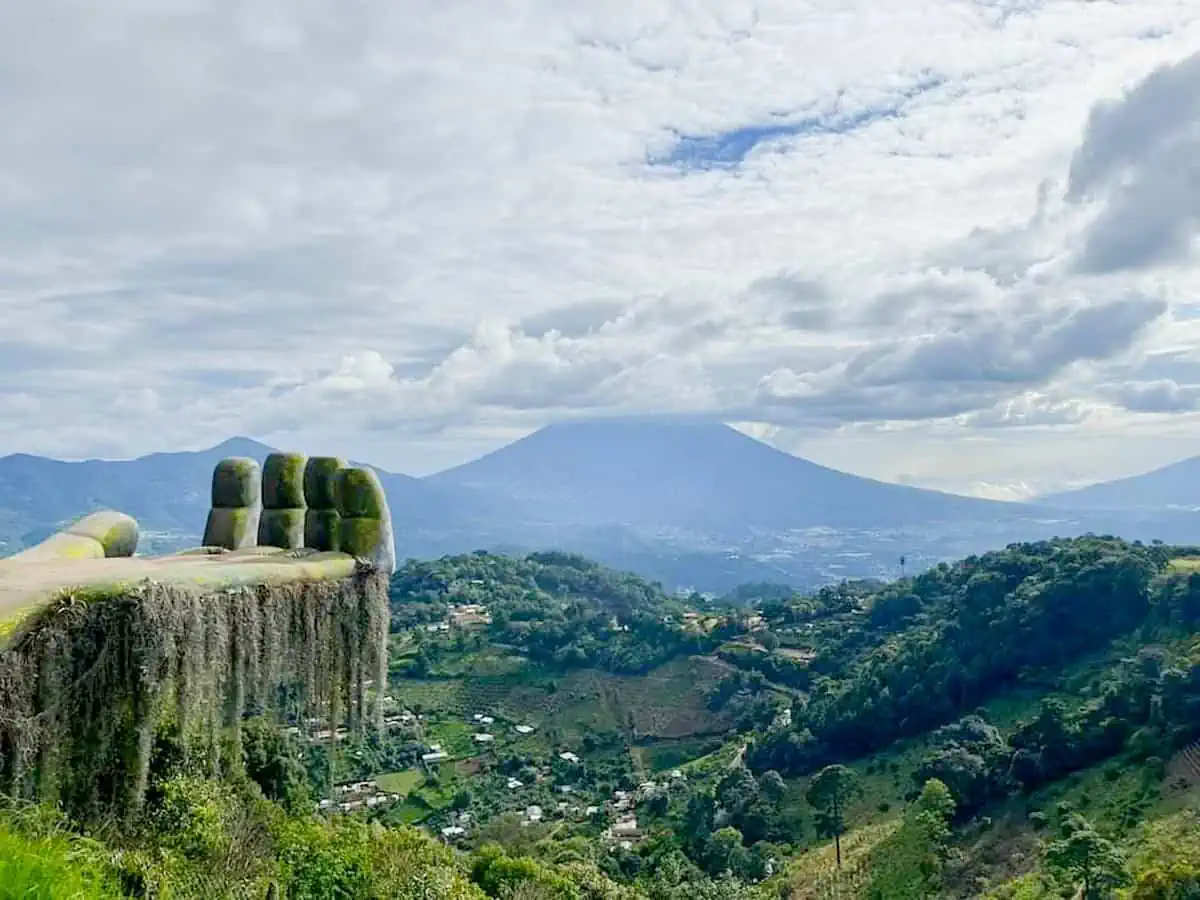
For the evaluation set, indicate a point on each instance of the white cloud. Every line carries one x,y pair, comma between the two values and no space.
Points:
439,222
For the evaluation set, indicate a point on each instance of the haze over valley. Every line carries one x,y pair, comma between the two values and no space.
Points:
693,505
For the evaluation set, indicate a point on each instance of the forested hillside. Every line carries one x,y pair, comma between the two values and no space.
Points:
1019,724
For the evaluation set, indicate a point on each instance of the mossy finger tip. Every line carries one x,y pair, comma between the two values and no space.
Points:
283,481
236,483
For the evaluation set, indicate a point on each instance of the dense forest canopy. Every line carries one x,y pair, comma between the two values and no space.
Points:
561,608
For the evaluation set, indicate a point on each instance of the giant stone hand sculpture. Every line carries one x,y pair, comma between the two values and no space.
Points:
104,654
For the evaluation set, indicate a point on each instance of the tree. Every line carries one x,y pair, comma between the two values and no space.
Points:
772,786
909,862
1083,855
830,792
737,790
726,853
274,761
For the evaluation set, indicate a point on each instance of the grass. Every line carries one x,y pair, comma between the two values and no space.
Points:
401,782
667,703
441,695
1170,841
1156,822
715,764
455,737
48,868
487,663
1117,796
671,701
674,754
1185,564
808,875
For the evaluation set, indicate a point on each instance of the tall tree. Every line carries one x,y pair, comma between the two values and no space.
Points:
1083,855
830,793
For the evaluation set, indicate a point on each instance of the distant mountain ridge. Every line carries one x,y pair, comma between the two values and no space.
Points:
1174,486
708,475
696,505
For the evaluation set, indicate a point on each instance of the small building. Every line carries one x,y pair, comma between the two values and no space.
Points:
569,757
484,738
525,729
513,784
533,813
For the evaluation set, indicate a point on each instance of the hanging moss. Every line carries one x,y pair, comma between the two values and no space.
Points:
92,678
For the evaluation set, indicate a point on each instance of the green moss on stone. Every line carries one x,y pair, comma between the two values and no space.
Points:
361,537
322,529
281,528
283,481
235,483
63,546
116,532
231,528
321,481
360,494
95,536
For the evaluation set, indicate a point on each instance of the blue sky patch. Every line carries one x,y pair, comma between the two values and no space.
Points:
729,149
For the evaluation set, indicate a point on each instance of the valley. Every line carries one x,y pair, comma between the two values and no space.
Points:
1011,724
712,722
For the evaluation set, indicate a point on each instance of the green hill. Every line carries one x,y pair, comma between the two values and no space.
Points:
1012,725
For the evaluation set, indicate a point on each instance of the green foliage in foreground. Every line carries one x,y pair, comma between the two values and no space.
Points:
50,867
214,839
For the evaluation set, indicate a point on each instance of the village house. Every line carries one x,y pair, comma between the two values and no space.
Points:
434,754
625,829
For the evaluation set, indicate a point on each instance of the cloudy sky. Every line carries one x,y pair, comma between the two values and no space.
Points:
948,242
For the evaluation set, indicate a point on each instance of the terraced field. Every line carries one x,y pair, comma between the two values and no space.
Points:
670,702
